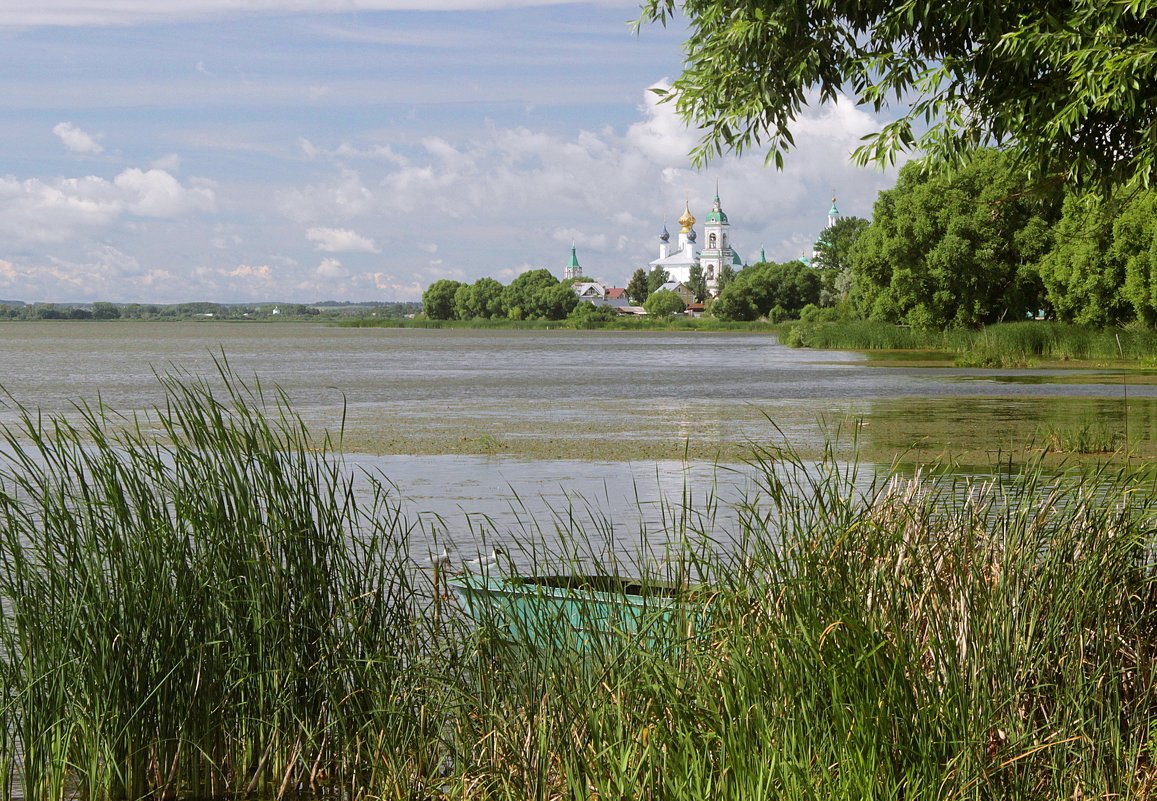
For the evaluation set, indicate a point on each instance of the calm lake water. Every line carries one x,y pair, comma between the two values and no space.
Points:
471,424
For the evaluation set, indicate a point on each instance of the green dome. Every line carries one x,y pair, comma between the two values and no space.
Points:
716,214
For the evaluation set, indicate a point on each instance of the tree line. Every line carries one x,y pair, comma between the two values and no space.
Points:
102,310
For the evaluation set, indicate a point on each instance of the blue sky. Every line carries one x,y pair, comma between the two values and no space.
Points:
308,150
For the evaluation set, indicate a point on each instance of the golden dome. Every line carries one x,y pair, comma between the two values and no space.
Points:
687,220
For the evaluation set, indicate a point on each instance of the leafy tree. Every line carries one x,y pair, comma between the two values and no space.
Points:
1135,242
656,278
1103,267
1066,86
638,287
588,315
483,299
960,250
553,302
664,303
759,289
726,276
834,246
697,283
537,294
438,299
105,311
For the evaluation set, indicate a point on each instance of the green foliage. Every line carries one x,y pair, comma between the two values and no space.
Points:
588,315
1066,87
438,301
1103,269
664,303
834,247
726,276
105,311
758,290
656,278
954,251
638,287
697,283
537,294
484,299
203,593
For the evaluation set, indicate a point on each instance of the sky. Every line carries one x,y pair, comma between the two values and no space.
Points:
355,150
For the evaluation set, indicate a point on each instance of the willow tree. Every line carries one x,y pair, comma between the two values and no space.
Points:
1066,86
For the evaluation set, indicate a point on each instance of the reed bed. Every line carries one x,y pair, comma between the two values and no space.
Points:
1016,344
206,604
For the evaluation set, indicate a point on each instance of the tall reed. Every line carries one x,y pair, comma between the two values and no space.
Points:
201,602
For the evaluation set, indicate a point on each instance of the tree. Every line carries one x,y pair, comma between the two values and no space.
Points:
1135,243
664,303
697,283
834,246
759,289
1102,269
637,288
961,250
588,315
656,278
438,299
553,302
105,311
519,296
482,299
833,257
725,276
1066,86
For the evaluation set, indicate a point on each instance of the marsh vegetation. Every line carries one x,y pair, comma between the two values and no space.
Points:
205,601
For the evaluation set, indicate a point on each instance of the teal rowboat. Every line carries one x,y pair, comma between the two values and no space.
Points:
578,611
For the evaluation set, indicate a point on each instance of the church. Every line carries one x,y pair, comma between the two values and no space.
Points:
678,258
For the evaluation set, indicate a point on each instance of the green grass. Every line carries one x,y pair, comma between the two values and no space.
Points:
1021,344
206,603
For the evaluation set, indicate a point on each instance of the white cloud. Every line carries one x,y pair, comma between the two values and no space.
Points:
43,211
340,240
331,268
156,193
75,139
342,197
261,272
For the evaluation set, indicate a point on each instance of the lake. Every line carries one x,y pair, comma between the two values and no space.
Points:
470,424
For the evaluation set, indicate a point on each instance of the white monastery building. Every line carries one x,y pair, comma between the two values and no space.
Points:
678,260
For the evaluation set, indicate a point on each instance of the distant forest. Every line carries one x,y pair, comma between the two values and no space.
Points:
331,309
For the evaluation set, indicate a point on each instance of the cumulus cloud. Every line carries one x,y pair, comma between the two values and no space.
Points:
36,210
495,200
75,139
156,193
261,272
344,196
340,240
522,196
331,268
